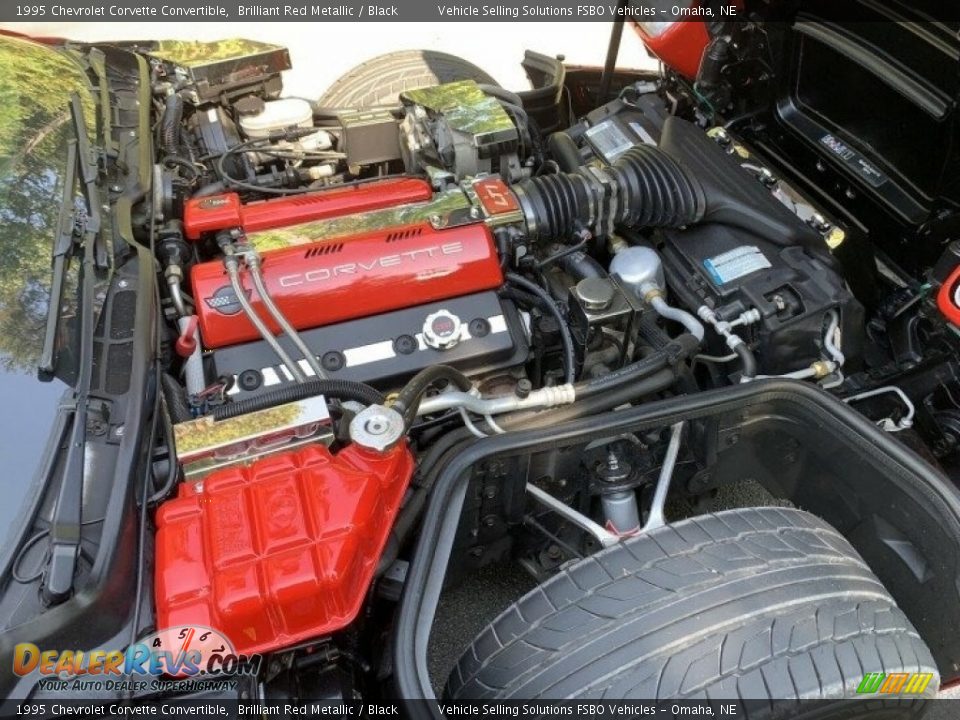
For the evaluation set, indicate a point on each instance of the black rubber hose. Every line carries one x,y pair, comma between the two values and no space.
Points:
428,470
615,397
556,205
173,466
566,337
340,389
170,124
408,400
176,399
651,333
581,266
564,150
666,357
747,360
655,191
647,188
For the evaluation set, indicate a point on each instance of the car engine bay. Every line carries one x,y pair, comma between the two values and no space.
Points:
354,301
344,288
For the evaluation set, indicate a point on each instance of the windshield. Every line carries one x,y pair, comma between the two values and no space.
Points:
36,87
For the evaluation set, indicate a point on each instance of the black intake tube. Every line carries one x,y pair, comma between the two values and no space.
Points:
645,187
581,266
564,150
340,389
170,124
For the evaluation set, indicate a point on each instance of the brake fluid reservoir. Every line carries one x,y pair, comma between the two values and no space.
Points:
277,115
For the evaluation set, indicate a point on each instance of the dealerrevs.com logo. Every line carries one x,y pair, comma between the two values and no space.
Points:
181,652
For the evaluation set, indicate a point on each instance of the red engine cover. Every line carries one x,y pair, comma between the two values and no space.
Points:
326,282
281,551
221,212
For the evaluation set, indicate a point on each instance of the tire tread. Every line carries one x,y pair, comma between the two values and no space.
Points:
764,603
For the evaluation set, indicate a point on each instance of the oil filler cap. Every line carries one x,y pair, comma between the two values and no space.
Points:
441,330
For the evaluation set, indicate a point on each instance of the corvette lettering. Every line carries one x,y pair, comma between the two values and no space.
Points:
357,268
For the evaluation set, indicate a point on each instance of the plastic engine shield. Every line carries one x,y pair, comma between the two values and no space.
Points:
279,551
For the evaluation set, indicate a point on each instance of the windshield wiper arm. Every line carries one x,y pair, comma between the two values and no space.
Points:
62,247
66,523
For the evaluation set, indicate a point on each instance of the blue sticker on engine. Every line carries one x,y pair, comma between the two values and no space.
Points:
736,264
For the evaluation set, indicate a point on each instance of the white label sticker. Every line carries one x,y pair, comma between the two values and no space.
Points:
736,263
609,140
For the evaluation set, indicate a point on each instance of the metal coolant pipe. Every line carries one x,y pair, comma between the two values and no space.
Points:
231,264
253,263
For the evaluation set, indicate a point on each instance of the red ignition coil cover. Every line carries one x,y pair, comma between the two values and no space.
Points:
280,551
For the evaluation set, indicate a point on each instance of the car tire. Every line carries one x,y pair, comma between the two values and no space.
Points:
380,81
765,603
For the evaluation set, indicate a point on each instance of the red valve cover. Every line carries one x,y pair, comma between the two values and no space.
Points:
223,212
281,551
331,281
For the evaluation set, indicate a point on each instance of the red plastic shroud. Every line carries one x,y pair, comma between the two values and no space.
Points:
680,46
222,212
945,297
351,277
281,551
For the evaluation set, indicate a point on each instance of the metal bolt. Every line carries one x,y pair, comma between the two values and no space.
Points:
123,284
613,462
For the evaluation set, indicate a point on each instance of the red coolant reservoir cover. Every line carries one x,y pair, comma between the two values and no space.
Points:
280,551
